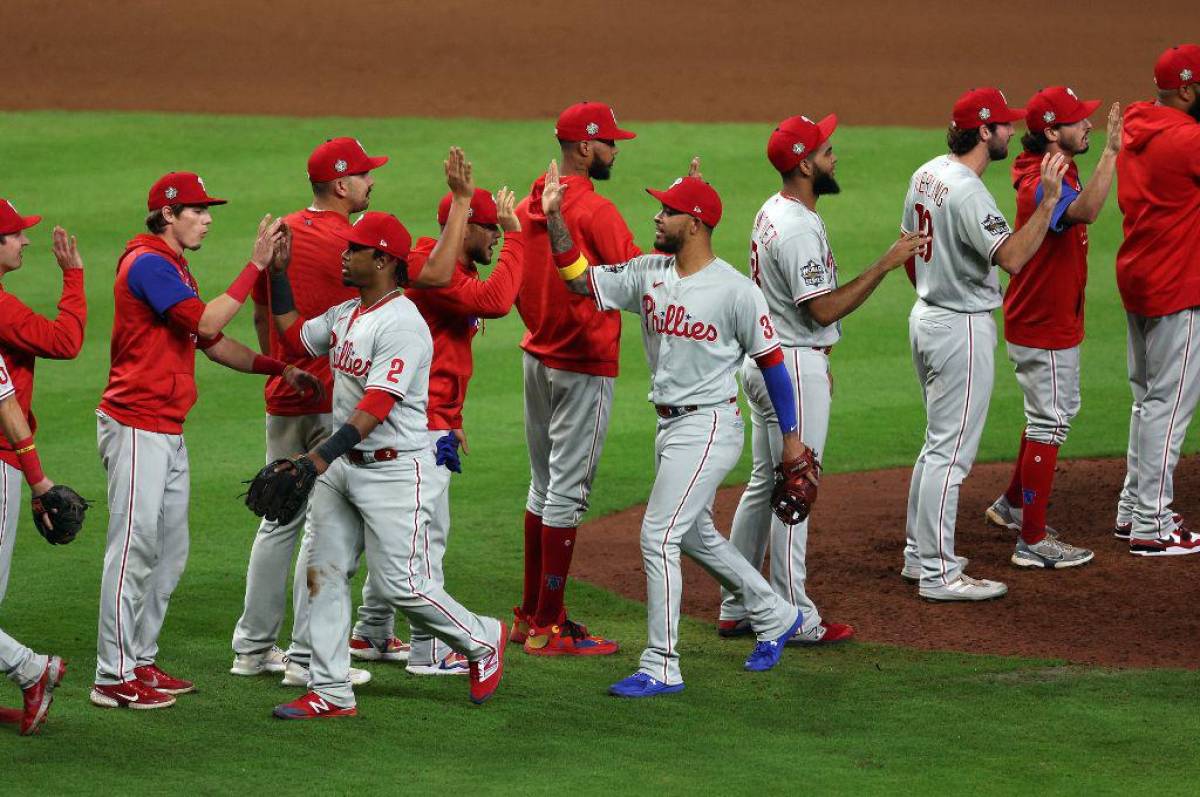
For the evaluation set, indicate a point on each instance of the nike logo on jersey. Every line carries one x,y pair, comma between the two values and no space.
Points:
658,284
344,360
675,321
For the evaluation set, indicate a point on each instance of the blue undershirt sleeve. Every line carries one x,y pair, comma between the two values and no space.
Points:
783,398
154,280
1069,195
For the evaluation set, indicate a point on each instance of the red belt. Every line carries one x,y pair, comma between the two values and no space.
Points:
368,457
666,411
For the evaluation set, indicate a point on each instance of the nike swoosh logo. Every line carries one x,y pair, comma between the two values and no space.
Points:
656,285
129,698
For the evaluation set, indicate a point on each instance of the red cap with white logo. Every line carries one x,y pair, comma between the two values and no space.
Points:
796,138
984,107
1057,105
339,157
380,231
692,196
483,209
1177,67
179,188
589,121
11,221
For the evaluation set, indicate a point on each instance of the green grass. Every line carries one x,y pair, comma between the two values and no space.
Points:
866,717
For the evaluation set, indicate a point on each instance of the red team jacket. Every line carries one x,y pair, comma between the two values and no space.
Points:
25,336
453,313
1043,306
1158,190
565,330
315,273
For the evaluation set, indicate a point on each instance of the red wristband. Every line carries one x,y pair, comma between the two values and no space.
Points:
27,456
564,259
240,288
267,365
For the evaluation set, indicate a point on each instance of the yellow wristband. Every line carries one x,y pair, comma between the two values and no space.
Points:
574,270
25,450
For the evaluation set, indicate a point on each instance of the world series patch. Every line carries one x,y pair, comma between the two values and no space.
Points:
813,273
994,225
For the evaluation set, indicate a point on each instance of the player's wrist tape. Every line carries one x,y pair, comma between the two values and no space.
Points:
282,302
267,365
31,465
571,264
783,397
338,443
240,288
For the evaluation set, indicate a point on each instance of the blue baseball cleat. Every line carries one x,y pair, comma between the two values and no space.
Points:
641,685
767,652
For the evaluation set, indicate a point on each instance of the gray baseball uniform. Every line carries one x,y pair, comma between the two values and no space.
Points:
953,336
696,330
379,506
791,260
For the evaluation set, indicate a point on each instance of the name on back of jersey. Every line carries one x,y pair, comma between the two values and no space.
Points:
932,187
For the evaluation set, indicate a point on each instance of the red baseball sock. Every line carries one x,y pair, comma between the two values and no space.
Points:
533,563
1037,477
1013,493
557,546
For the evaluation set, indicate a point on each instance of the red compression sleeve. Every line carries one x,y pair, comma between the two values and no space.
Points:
773,357
240,288
377,403
31,465
267,365
292,342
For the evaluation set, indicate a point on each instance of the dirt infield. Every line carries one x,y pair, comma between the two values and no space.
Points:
900,62
1118,610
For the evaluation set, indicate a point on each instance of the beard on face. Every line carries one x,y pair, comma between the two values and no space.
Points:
997,149
824,183
598,170
665,242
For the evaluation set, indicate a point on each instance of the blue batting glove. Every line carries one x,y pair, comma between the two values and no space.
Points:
447,452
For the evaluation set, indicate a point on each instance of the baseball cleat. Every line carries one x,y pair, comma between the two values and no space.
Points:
823,633
641,685
487,672
567,638
451,664
311,707
10,716
1003,514
1050,553
520,627
297,675
964,588
156,679
40,695
1179,542
131,694
912,572
766,652
1123,531
734,628
270,661
394,649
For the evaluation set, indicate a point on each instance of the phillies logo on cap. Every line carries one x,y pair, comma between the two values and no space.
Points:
382,243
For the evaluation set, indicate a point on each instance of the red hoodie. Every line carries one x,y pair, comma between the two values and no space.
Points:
1158,190
1043,305
565,330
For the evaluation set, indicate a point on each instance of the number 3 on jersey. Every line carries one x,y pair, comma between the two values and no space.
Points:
396,370
925,229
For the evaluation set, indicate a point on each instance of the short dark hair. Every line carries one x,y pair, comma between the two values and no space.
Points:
401,264
155,222
321,188
1036,143
962,141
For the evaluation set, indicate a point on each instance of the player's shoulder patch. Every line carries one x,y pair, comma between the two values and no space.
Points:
813,273
994,225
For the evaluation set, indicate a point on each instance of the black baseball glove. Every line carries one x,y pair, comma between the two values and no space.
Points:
281,489
796,487
58,514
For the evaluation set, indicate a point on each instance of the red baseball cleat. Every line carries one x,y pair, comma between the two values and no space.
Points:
567,638
520,627
131,694
312,707
40,695
486,673
156,679
394,649
823,634
734,628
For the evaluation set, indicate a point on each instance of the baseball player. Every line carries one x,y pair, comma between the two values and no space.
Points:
159,322
791,260
454,314
700,318
340,172
25,336
1158,190
371,495
1043,315
951,329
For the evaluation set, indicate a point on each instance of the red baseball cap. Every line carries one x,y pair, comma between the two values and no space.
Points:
339,157
380,231
483,209
692,196
588,121
11,221
1177,67
796,138
179,188
1057,105
984,106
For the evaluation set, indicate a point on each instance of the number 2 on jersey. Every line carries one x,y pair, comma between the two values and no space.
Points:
396,370
924,228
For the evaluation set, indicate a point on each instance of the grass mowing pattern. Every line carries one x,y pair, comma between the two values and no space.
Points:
862,717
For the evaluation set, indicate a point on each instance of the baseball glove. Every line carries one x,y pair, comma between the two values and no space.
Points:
64,508
795,487
281,489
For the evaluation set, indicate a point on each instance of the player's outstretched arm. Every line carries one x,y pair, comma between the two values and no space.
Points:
221,310
59,338
439,268
16,429
845,299
239,357
1087,206
572,265
1018,248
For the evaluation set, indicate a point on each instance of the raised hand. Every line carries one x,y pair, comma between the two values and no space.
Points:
264,243
1115,127
552,192
694,168
281,255
506,202
458,174
906,247
1053,169
303,382
66,250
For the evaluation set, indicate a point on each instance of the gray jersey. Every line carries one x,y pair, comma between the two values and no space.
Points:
696,329
791,261
383,347
949,202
